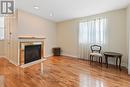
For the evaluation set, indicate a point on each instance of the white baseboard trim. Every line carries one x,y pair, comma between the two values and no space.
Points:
9,60
3,57
48,56
74,56
64,54
13,62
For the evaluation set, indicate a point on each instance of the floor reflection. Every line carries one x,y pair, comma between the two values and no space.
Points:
2,84
42,72
61,72
88,81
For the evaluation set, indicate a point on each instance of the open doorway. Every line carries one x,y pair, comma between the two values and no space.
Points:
2,28
2,36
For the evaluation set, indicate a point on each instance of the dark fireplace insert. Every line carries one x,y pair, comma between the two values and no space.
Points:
32,53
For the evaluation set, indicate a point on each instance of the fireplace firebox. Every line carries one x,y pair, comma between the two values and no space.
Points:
32,53
30,50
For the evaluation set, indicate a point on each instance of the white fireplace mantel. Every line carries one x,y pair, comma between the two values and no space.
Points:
30,38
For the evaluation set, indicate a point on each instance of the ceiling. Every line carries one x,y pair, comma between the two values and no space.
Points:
61,10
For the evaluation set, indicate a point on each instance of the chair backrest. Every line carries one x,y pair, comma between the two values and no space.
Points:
96,48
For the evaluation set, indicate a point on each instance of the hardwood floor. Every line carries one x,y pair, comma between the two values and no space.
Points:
62,72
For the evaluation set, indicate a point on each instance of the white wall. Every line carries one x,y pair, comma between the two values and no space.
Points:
128,28
29,24
68,34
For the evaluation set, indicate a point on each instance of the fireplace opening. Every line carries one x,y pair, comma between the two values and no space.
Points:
32,53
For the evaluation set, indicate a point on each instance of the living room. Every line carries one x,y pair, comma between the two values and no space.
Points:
29,35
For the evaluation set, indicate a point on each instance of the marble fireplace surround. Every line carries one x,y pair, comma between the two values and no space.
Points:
29,40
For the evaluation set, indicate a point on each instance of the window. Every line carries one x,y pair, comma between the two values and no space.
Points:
92,31
1,28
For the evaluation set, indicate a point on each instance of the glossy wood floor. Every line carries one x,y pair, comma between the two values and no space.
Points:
62,72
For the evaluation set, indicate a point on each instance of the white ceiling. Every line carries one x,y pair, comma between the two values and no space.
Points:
69,9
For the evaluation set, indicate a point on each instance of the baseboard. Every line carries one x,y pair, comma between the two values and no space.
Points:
69,55
3,57
9,60
48,56
124,65
13,62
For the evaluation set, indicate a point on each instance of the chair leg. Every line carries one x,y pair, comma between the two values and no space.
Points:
90,59
101,61
117,62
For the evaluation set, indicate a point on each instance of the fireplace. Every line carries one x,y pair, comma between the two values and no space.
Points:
32,53
31,50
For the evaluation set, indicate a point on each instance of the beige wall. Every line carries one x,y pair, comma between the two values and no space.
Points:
128,28
2,51
67,34
67,37
24,23
29,24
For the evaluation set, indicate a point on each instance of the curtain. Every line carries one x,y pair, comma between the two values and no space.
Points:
91,32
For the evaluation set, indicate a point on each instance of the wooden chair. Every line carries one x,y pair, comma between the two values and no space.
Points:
96,52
